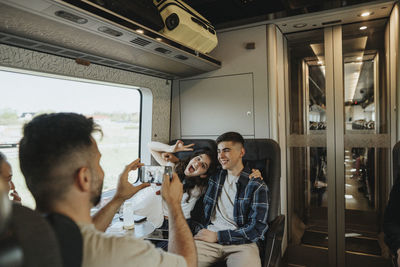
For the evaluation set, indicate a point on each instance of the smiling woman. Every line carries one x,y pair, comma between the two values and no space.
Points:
116,109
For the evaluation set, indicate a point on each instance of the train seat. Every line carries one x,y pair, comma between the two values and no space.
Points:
10,251
35,237
69,239
262,154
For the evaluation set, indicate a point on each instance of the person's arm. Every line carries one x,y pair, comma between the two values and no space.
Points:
169,157
255,173
125,190
157,148
391,224
398,257
180,237
257,225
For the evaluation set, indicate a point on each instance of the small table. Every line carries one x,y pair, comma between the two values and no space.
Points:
140,231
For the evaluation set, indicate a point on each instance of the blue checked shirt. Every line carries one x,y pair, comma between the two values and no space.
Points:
250,209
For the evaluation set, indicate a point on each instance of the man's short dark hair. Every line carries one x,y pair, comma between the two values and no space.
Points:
231,137
51,142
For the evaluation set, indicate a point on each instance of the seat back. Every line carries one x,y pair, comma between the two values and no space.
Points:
36,238
265,155
11,254
69,239
198,144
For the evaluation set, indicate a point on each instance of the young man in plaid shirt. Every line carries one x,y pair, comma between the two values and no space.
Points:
235,210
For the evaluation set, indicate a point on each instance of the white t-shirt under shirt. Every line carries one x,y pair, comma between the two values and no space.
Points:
187,206
223,219
102,250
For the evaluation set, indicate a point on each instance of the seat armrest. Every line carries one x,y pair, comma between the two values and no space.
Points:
273,243
277,225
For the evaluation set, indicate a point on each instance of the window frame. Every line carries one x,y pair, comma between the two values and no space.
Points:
146,108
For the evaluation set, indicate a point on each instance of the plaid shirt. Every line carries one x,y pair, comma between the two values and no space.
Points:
250,209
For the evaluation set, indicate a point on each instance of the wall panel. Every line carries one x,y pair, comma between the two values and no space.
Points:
236,60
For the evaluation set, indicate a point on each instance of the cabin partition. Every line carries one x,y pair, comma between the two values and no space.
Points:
341,99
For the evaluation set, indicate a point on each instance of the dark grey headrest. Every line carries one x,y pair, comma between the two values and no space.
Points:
198,145
36,237
265,155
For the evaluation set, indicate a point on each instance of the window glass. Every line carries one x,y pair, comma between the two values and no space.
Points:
115,108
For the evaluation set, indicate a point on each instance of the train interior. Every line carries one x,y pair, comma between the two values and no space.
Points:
321,78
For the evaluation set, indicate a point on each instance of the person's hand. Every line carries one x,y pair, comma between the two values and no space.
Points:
169,157
125,190
13,193
207,236
180,146
398,257
172,191
255,174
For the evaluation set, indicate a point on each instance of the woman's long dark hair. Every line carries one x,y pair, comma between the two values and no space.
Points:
190,182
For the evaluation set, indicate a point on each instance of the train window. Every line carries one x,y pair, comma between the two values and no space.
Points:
115,108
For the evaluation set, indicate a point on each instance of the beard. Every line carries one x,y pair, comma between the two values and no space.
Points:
96,190
96,196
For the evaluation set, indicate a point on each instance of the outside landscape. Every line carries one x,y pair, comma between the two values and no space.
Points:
115,109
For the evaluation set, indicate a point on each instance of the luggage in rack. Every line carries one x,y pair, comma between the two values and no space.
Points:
185,25
141,11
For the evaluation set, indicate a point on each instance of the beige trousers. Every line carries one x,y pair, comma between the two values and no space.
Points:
235,255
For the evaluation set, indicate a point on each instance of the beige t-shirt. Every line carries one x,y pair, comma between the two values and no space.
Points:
101,250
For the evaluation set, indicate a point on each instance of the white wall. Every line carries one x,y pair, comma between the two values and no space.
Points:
236,61
278,98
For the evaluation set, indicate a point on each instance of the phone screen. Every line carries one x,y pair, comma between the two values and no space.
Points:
154,174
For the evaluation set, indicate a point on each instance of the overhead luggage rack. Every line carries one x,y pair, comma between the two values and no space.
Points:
80,30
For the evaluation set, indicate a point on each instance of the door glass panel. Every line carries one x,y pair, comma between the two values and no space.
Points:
366,134
307,139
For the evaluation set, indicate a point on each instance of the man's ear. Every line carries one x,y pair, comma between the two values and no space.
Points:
242,152
83,179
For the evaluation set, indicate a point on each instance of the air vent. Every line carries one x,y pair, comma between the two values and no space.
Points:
109,62
70,54
48,48
110,31
163,50
91,58
123,66
136,69
18,41
140,41
71,17
181,57
331,22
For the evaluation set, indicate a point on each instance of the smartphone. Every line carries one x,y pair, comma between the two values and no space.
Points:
154,174
158,234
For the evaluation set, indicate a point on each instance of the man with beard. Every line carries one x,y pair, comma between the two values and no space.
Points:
6,173
61,164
